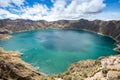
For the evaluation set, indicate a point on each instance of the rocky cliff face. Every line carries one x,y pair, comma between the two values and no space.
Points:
13,68
4,34
102,69
109,28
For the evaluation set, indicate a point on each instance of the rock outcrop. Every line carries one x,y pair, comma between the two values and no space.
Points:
13,68
102,69
105,68
4,34
118,47
109,28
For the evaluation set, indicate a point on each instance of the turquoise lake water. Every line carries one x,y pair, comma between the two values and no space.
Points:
53,51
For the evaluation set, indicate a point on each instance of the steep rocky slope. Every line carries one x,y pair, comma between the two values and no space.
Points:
13,68
109,28
102,69
105,68
4,34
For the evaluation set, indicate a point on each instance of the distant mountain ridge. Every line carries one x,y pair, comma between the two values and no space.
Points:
108,28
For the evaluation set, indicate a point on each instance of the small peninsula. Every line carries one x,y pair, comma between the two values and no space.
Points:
4,34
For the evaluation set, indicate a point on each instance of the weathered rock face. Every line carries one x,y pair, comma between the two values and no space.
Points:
105,68
13,68
21,25
102,69
4,34
109,28
118,47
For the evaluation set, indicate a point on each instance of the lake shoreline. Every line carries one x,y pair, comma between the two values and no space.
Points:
18,69
107,71
117,48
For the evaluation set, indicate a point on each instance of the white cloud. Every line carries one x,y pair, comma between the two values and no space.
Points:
35,13
52,1
18,2
7,3
2,12
106,16
61,9
36,9
76,9
7,14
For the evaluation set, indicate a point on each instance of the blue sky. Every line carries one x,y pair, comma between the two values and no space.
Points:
52,10
112,5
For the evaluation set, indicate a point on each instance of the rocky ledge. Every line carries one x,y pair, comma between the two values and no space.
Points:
105,68
13,68
118,47
4,34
